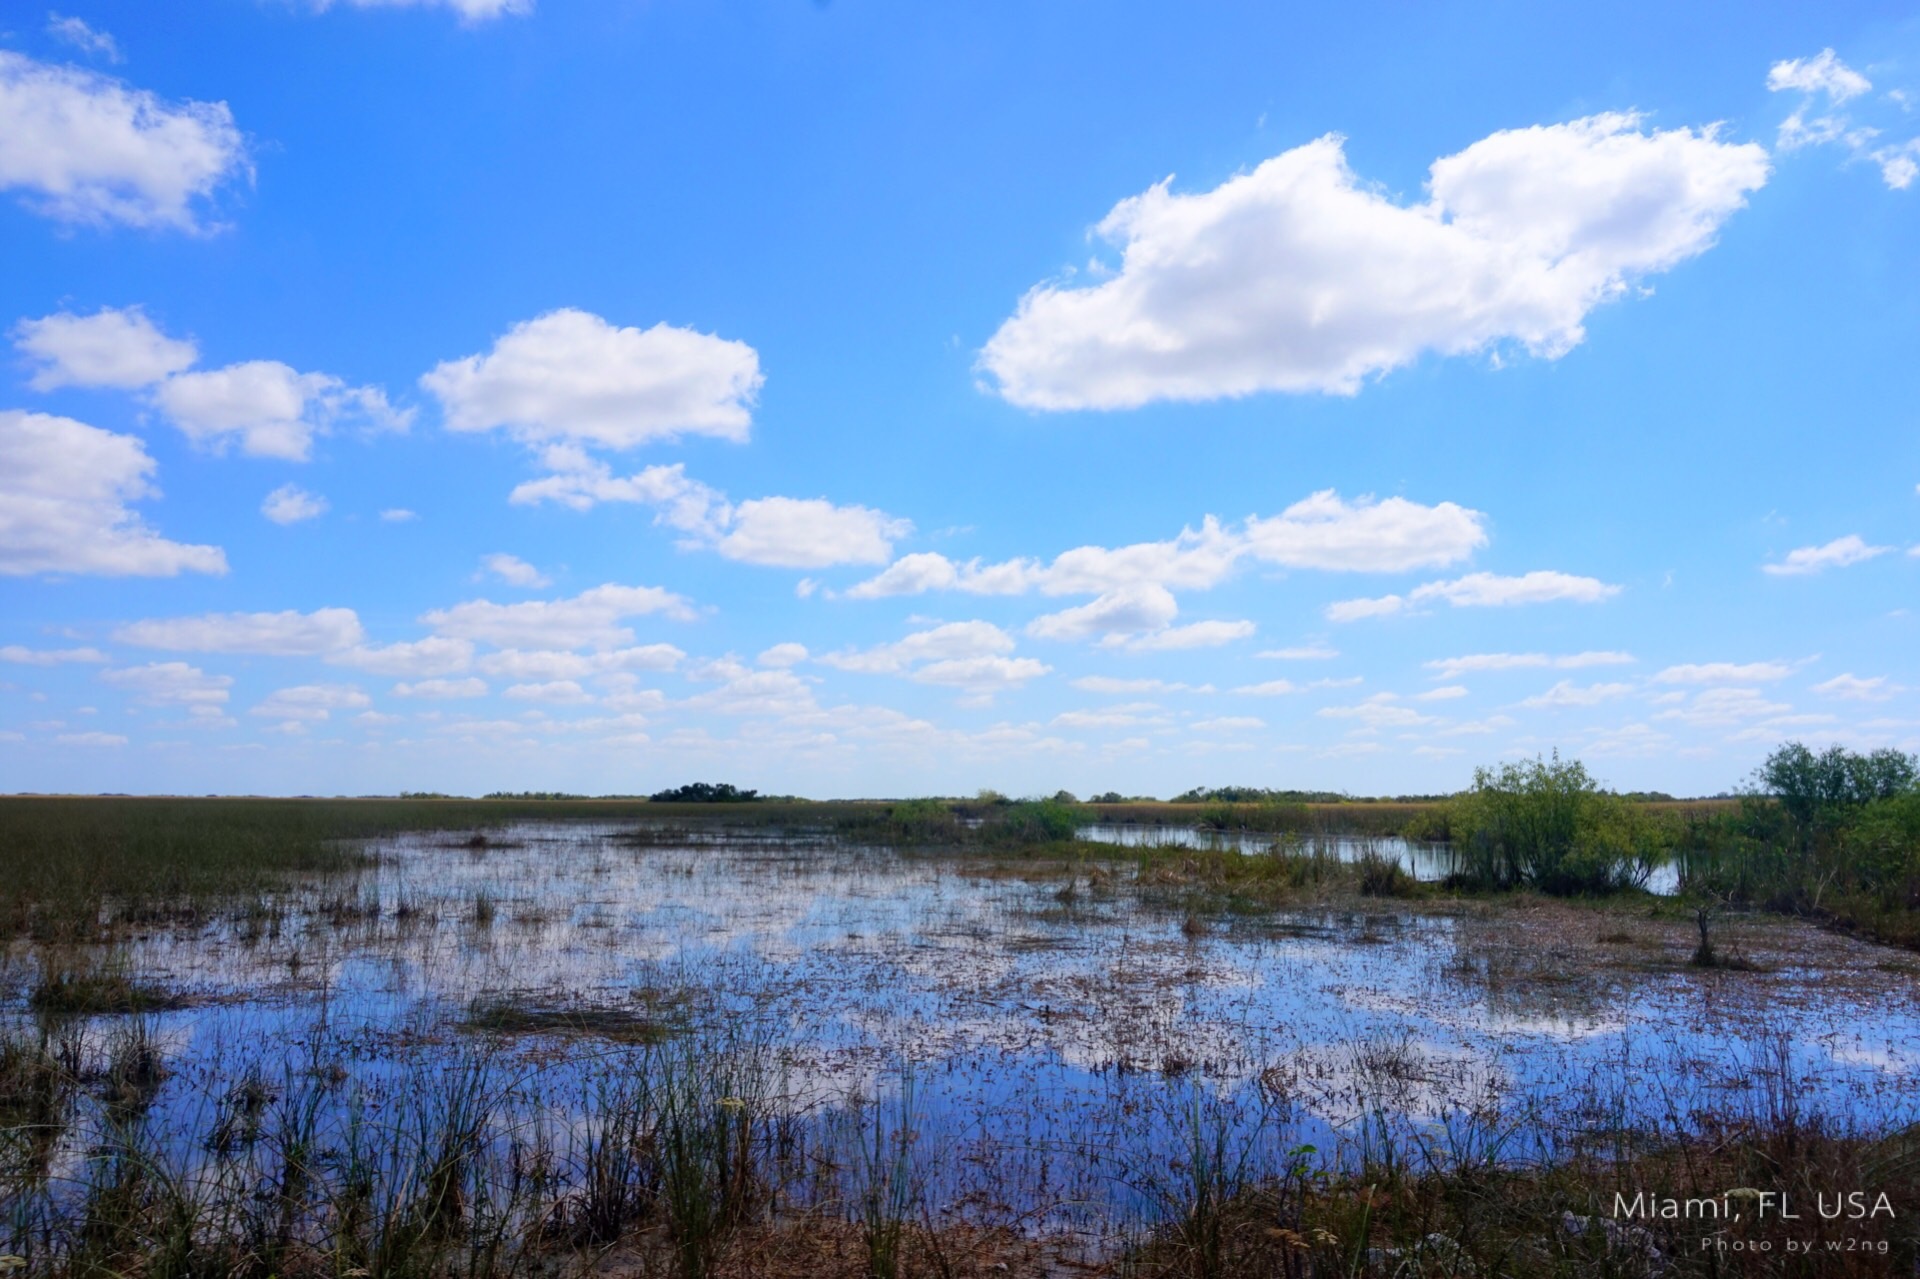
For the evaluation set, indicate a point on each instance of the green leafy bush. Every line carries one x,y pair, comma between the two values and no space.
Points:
1546,824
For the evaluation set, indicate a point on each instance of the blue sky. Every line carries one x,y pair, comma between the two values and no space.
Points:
860,399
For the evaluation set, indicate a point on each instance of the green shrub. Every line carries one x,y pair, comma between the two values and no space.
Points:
1547,824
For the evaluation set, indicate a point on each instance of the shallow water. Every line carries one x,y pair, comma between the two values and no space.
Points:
1426,861
1063,1039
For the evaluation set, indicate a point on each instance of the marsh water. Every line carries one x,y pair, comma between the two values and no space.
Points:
1428,862
1060,1038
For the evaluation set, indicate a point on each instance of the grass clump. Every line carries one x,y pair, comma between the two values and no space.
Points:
511,1017
93,990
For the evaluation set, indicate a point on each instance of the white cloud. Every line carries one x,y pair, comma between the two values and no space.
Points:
1303,653
1109,684
783,532
588,620
1826,83
290,504
965,655
514,570
1226,724
1321,531
1489,590
980,674
558,664
1211,634
1268,688
1356,610
284,634
1128,610
91,739
311,702
271,409
1724,673
469,10
443,689
1445,693
1300,277
809,533
952,641
118,348
1453,667
783,655
1822,73
1854,688
1481,590
1324,532
1724,707
433,655
87,148
1378,711
1567,693
399,515
1839,553
76,32
569,375
49,656
65,492
560,692
171,684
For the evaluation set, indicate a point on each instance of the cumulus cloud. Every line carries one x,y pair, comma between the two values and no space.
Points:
559,692
434,655
1825,84
1724,673
569,375
1110,684
66,491
783,532
1209,634
1453,667
536,665
49,656
1302,653
114,347
290,504
1145,606
1481,590
1567,693
1725,707
398,515
443,689
1300,277
1839,553
171,684
514,571
1376,712
952,641
311,702
285,634
270,409
1854,688
91,739
588,620
783,655
965,655
1321,531
87,148
1390,536
1268,688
